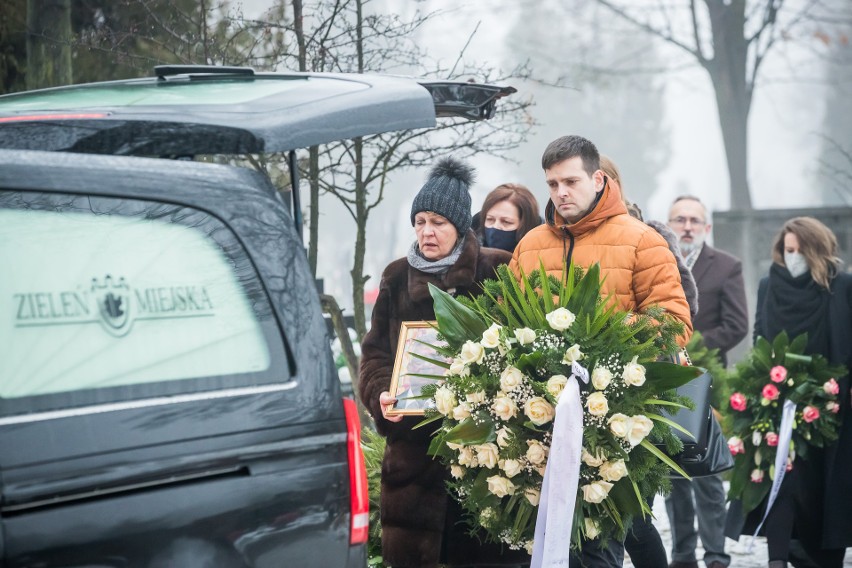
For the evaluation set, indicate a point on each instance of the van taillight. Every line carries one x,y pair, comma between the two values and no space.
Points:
359,499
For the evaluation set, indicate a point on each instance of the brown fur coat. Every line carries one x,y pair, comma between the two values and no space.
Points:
419,520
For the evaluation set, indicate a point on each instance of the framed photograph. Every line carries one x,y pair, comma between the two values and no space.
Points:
414,367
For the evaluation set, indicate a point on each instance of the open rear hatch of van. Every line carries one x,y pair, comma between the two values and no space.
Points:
190,110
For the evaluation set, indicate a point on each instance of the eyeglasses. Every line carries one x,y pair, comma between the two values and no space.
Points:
684,220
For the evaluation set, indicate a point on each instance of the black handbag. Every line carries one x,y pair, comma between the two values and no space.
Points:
707,452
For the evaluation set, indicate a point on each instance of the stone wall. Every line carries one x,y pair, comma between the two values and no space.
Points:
749,235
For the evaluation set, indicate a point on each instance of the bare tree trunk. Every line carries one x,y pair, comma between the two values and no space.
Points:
361,212
733,93
330,306
358,279
48,43
313,152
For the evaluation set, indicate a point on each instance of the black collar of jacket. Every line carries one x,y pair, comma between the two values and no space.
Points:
460,276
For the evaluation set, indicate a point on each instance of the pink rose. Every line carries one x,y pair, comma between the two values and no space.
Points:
771,439
770,391
738,401
736,445
778,374
810,413
831,387
832,406
757,475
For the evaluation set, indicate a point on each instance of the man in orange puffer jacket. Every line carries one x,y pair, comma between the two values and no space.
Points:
586,221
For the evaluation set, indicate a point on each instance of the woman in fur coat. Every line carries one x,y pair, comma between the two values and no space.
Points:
421,524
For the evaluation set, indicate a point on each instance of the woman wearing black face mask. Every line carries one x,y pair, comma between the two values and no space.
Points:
806,292
507,214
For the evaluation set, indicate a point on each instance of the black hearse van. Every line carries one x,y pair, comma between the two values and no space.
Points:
167,394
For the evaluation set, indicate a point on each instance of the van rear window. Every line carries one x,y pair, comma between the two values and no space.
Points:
99,293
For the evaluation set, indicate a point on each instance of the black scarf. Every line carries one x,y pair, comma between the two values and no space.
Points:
797,305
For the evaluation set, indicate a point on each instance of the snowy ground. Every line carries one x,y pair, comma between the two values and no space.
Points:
740,556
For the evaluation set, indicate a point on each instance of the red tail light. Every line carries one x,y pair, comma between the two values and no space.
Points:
359,499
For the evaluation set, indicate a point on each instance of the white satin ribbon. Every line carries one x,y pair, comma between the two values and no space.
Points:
552,540
781,452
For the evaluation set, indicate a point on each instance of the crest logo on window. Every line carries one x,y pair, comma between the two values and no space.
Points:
113,300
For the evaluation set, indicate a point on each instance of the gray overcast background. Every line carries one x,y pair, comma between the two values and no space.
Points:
683,152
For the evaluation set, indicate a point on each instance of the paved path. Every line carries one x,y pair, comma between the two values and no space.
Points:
740,556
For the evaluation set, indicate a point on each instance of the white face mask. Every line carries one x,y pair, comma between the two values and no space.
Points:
796,263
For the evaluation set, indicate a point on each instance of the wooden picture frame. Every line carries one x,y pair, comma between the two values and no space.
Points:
406,382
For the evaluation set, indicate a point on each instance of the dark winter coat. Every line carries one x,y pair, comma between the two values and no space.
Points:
690,290
723,317
835,521
419,520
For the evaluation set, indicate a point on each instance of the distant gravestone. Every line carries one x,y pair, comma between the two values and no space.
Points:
748,235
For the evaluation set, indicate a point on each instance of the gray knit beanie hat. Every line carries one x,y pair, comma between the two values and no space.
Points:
447,193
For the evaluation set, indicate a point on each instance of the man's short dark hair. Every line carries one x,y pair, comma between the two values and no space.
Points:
568,147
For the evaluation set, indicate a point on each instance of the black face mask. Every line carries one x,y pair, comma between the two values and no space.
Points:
496,238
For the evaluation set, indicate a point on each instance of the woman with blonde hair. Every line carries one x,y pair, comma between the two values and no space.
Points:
806,292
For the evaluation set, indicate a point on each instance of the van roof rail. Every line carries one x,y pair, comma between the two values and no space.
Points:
163,71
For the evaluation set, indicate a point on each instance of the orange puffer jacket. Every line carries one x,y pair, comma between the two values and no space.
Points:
637,267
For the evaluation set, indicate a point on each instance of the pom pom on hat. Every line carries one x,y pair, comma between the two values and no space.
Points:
447,193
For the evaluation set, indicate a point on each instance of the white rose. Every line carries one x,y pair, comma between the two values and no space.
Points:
560,319
756,438
556,384
510,379
503,437
619,425
457,367
454,446
538,410
491,336
541,469
596,491
525,335
461,411
640,427
511,467
487,455
572,354
457,471
597,404
758,458
504,408
467,457
601,377
445,400
500,486
634,373
592,460
592,529
528,546
613,470
533,496
472,352
536,452
477,397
